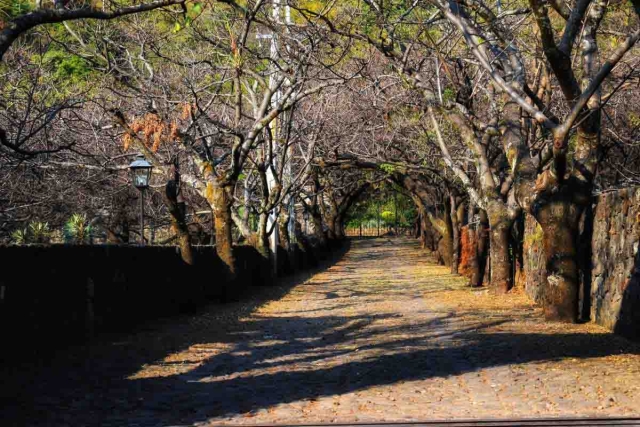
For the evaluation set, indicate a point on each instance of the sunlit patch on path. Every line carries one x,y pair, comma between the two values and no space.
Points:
383,335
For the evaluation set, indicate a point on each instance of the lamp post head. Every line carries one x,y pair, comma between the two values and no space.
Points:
141,172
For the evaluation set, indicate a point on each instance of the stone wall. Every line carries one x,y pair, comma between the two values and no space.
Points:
615,282
56,295
613,288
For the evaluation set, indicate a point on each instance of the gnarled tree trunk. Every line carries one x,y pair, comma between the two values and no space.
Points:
444,244
474,265
482,246
339,227
447,236
283,229
220,198
262,239
559,219
318,231
455,235
176,206
499,232
332,229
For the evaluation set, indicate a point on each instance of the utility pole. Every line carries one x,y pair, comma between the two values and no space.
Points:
271,180
288,178
276,130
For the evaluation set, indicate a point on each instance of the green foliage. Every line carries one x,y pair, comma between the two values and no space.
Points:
388,168
381,204
68,68
193,12
39,232
34,233
448,95
77,230
388,216
11,9
20,236
196,9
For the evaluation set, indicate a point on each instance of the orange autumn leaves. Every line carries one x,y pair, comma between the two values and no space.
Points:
153,131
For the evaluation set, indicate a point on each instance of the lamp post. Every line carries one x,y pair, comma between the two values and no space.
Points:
141,173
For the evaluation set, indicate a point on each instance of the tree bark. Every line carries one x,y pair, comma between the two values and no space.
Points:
339,227
337,210
423,229
558,207
283,228
447,237
318,231
482,236
500,229
443,245
331,228
474,265
455,234
178,223
559,220
262,240
301,240
221,200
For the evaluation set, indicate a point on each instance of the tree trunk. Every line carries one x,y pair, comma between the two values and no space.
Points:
424,228
447,238
429,233
178,223
500,229
559,221
300,240
262,240
455,236
283,228
443,245
501,280
221,200
339,227
318,232
482,237
473,263
331,218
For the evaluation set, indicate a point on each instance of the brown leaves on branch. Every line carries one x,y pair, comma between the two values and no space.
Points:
152,131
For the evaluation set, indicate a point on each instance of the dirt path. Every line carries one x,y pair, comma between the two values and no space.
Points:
383,335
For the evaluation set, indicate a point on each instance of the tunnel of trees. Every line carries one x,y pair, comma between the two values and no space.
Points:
285,122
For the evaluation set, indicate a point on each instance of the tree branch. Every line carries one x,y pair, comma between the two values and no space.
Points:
24,23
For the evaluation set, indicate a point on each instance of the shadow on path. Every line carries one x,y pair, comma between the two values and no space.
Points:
271,360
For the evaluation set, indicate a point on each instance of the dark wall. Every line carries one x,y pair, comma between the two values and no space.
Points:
55,295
